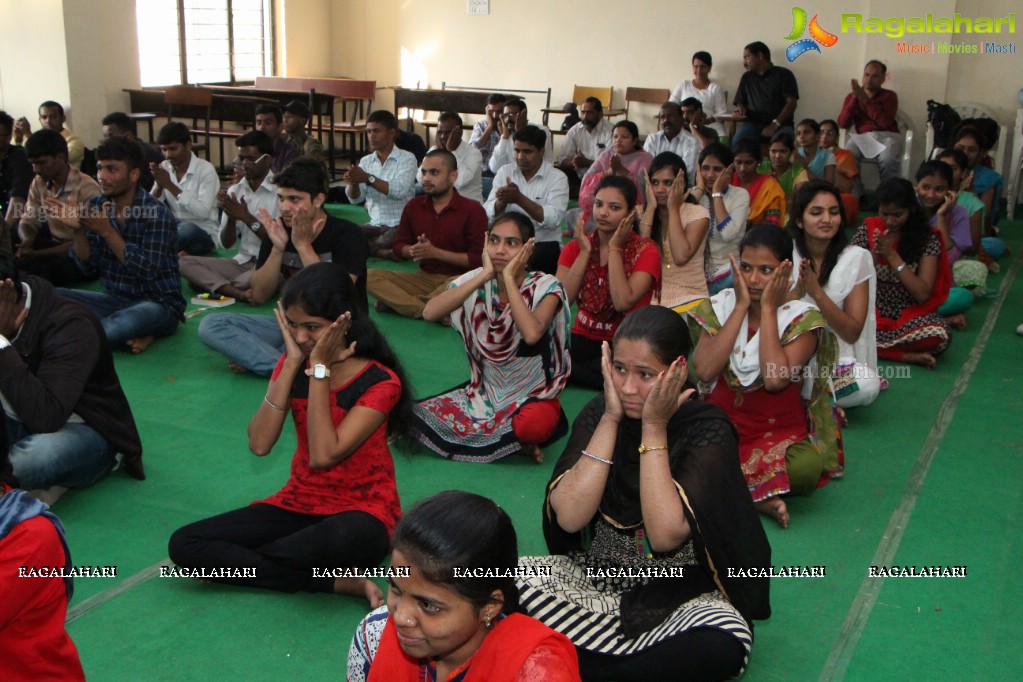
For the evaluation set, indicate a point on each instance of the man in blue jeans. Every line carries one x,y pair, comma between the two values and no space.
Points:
66,413
304,234
130,240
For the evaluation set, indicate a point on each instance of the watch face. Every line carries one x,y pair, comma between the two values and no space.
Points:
320,371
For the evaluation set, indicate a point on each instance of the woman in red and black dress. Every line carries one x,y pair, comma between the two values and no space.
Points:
346,392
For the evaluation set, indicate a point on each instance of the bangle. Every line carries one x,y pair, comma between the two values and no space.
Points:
599,459
646,224
266,399
614,248
647,448
577,274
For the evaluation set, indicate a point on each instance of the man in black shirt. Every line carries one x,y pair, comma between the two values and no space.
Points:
303,235
766,97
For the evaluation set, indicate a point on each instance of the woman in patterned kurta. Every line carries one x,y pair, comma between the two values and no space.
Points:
514,325
913,277
346,392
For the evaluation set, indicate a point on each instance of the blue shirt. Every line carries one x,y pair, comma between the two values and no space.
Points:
150,268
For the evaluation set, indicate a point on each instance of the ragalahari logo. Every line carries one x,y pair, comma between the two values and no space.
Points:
818,35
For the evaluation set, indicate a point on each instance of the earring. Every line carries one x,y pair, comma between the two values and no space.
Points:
488,621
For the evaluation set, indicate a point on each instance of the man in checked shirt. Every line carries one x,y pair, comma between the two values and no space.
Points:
129,239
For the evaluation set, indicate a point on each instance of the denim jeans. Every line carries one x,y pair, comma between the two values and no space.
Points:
252,341
194,240
124,319
755,131
76,456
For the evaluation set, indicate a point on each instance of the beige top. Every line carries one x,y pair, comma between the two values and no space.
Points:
683,283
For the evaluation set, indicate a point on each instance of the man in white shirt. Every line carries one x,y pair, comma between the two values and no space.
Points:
188,186
584,142
672,137
385,179
515,118
486,134
535,187
239,223
470,162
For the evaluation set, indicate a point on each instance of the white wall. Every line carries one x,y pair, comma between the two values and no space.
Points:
33,58
540,44
86,53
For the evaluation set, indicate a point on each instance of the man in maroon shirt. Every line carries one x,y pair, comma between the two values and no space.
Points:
871,110
442,231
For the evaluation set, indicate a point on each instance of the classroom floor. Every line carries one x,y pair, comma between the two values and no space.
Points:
933,469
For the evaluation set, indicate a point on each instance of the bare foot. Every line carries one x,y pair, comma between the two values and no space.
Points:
956,321
776,509
843,420
533,451
360,587
923,359
140,344
236,368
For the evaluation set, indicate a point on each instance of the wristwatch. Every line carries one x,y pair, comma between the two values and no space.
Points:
900,268
255,226
4,343
318,371
717,195
371,180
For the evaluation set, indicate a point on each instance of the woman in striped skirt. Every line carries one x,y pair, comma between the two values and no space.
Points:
650,524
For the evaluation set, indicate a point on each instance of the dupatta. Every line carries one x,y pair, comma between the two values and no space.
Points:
742,373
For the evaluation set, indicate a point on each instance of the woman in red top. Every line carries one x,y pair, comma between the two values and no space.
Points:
607,273
452,611
346,392
33,642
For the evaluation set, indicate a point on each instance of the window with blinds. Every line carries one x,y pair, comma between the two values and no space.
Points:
204,41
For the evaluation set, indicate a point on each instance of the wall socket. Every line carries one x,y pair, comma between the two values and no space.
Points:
478,6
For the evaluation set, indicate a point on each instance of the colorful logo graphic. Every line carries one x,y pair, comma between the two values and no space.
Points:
818,35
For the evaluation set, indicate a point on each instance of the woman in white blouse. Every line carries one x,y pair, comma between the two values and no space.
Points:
701,87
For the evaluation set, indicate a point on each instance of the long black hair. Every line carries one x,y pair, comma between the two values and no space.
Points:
677,165
457,529
916,232
800,200
326,290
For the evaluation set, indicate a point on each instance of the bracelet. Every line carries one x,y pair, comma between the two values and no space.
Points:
900,268
717,195
646,224
266,399
647,448
614,248
599,459
577,274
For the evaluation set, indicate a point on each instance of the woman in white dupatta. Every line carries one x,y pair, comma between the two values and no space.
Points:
839,278
767,363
